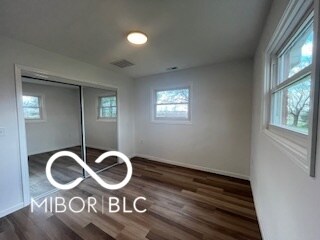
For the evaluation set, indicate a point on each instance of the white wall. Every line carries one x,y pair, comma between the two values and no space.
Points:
219,137
14,52
61,126
286,198
100,134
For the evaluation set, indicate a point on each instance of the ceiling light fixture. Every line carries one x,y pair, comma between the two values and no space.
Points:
137,38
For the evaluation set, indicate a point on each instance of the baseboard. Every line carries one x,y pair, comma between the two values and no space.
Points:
264,233
195,167
131,156
90,146
52,150
110,149
12,209
101,148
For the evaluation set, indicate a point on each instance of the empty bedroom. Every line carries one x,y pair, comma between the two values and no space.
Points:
159,119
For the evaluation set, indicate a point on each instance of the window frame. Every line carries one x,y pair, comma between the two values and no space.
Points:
154,105
42,110
106,119
276,73
300,148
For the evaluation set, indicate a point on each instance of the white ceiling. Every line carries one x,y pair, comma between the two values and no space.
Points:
182,33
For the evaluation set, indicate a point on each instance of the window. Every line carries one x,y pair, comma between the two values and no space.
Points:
107,107
291,81
32,107
172,104
291,93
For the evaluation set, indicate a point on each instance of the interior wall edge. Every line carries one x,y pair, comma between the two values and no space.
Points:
215,64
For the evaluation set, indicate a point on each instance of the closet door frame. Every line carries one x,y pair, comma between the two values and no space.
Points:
21,70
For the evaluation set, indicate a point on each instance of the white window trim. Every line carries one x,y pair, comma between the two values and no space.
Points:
106,119
300,148
43,113
171,120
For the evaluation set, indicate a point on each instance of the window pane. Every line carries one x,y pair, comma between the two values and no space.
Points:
105,102
173,96
30,101
172,111
290,106
113,101
114,112
299,55
108,112
108,101
31,113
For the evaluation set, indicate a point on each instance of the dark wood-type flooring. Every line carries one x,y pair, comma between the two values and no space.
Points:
64,169
181,204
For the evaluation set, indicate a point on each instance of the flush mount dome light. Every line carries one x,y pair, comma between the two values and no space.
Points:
137,38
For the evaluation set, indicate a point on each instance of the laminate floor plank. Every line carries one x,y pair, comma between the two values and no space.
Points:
181,204
64,169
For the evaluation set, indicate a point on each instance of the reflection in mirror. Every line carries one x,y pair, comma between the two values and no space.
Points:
52,119
100,121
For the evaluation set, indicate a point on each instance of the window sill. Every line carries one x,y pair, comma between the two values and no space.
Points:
106,120
296,152
35,121
297,137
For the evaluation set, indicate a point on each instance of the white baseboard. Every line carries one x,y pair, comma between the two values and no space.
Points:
132,156
264,233
12,209
101,148
111,149
52,149
191,166
57,149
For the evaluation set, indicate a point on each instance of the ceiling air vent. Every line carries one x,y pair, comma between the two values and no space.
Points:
172,68
122,63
